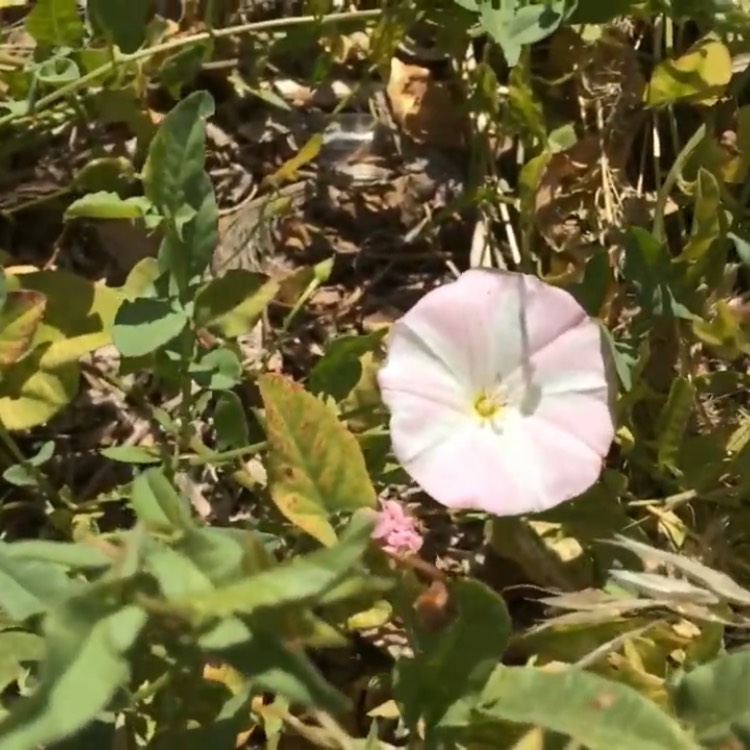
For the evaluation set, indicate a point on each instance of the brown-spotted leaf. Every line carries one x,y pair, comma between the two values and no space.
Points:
19,320
315,466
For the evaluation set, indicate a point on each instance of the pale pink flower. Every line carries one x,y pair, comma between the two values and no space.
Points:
395,530
498,389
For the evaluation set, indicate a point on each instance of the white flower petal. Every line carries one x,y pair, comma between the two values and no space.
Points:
461,323
566,464
546,313
470,469
585,417
414,367
419,422
531,467
533,341
573,362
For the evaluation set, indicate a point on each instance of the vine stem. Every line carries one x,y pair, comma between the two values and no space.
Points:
172,44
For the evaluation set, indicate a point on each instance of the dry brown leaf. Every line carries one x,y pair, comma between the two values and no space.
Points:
429,110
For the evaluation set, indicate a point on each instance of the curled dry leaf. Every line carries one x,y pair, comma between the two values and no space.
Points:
428,109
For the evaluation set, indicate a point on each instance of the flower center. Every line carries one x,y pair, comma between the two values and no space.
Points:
490,402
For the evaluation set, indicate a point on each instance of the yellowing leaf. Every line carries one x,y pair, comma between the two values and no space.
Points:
532,740
529,180
288,170
722,331
19,320
78,316
232,304
141,276
374,617
315,466
700,75
30,396
387,710
740,437
225,674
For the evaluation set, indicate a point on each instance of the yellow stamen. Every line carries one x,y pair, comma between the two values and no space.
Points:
487,405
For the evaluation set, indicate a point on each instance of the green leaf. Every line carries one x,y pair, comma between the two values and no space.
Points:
529,180
177,575
646,262
591,291
120,22
217,370
180,69
131,454
513,25
3,289
158,504
20,475
594,712
708,217
230,422
143,325
187,258
233,304
713,699
339,369
55,23
19,319
741,240
87,639
315,466
57,71
75,556
219,734
274,667
451,668
107,173
218,552
29,587
627,358
524,106
298,581
673,420
104,205
174,166
648,267
17,649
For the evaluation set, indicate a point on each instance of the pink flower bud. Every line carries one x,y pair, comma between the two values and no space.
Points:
396,531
